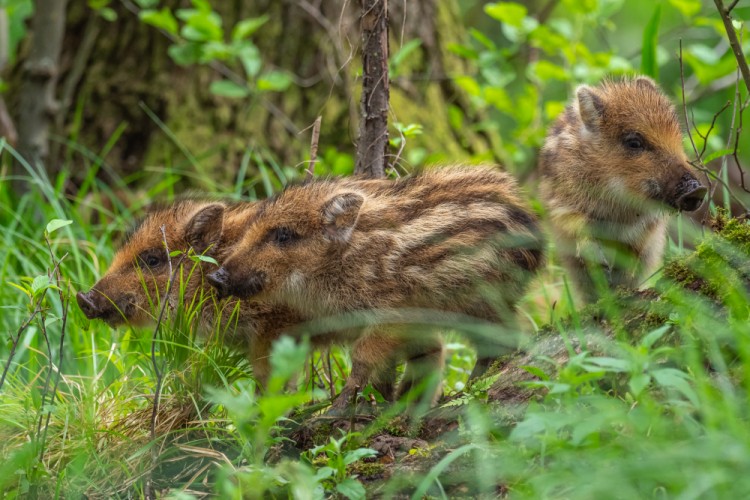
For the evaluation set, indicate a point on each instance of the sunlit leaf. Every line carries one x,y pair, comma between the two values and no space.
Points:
228,88
162,19
688,8
274,81
56,224
247,27
40,283
507,12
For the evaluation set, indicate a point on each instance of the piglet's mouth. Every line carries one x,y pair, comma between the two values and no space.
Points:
226,285
96,305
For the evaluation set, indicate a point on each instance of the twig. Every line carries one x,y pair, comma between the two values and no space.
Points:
684,103
733,41
687,121
148,490
329,372
710,128
14,344
737,133
314,147
354,408
64,302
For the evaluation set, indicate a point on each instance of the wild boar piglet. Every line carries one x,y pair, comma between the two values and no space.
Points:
136,282
613,170
455,239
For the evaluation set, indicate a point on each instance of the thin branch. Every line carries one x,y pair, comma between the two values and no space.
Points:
687,122
328,370
732,6
733,41
37,308
314,147
149,493
64,303
737,133
710,128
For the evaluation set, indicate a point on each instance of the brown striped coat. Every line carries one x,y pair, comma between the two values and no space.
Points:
454,239
613,169
129,291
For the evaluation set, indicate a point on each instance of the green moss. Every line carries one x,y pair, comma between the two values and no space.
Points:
720,263
367,470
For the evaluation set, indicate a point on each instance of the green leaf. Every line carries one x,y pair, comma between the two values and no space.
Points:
704,53
274,81
206,258
247,27
678,380
652,337
717,154
185,54
545,70
40,283
507,12
688,8
162,19
227,88
56,224
649,65
707,73
638,383
358,454
250,58
323,473
108,14
201,26
398,58
536,371
609,364
351,488
147,4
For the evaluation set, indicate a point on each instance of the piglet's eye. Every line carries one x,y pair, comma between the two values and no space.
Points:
634,142
151,260
283,236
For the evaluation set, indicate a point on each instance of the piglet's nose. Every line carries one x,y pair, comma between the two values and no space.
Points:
87,305
219,279
693,198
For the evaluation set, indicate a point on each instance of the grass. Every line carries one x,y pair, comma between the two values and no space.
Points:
647,398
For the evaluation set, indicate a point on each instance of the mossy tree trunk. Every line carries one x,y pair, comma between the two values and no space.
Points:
123,98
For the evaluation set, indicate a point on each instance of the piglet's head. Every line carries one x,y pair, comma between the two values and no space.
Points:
136,281
293,238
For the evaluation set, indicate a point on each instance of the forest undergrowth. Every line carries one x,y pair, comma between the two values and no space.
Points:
644,394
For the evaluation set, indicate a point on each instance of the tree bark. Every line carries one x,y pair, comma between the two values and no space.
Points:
7,127
39,77
373,137
111,71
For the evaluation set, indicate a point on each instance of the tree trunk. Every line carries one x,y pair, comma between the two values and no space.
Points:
116,77
39,78
373,137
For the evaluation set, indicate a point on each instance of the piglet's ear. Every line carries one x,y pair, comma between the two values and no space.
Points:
646,82
204,229
591,107
340,215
